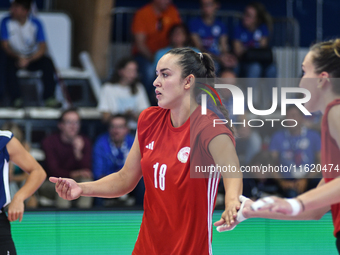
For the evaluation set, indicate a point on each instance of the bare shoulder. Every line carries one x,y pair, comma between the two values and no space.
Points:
334,122
334,116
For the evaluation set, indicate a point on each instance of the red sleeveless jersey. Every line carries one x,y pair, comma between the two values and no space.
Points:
330,154
178,209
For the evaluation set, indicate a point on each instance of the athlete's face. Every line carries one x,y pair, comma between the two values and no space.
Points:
170,86
309,81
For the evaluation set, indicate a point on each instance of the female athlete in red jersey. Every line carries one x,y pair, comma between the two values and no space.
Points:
321,73
177,208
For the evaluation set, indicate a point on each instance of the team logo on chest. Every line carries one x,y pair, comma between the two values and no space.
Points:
183,154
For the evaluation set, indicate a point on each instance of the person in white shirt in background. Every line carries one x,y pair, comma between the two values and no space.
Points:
124,94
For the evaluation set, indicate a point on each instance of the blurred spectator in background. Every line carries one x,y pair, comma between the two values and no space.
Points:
111,149
17,177
123,94
297,147
24,43
110,152
179,37
68,154
150,28
210,35
314,121
248,141
251,43
228,76
257,184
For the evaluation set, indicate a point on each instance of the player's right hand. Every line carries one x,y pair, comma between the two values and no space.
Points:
66,188
245,202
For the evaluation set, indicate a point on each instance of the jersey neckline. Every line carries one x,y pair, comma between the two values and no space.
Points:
186,123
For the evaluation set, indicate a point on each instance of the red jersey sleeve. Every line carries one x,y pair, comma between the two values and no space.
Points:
209,132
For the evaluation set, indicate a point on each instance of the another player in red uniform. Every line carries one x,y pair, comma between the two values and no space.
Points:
177,208
321,73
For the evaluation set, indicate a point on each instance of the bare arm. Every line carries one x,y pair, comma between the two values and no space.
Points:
323,196
19,156
120,183
143,49
311,214
113,185
224,154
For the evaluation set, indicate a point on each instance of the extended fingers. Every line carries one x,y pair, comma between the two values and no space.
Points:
14,215
58,185
219,223
53,179
234,211
21,214
231,216
224,227
62,188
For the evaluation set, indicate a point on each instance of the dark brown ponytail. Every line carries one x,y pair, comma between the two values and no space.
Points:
201,65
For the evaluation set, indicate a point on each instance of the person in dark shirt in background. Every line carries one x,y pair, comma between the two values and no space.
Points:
297,147
68,155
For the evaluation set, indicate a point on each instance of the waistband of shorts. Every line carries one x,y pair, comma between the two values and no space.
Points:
338,235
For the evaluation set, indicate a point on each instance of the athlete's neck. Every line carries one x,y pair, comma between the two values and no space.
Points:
180,115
